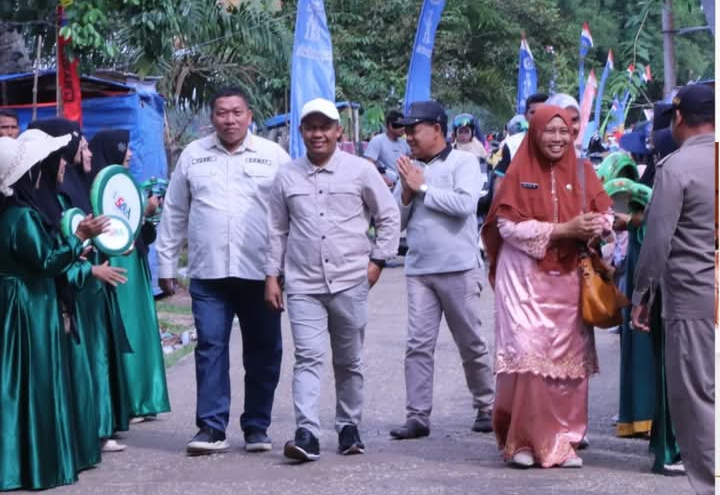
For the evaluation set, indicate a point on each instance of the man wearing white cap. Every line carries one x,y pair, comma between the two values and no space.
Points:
320,210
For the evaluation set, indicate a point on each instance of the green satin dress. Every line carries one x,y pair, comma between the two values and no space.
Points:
144,368
85,419
637,363
37,437
101,328
662,437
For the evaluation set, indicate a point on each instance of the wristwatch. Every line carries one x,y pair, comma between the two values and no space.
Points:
423,188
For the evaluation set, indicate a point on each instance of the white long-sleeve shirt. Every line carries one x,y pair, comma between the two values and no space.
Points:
219,201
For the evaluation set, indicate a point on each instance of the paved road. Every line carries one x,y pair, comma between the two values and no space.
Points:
453,460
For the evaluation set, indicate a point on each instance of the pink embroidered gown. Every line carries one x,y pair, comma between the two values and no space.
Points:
544,353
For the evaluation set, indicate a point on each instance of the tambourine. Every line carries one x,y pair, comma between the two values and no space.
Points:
154,187
117,240
69,222
115,193
620,191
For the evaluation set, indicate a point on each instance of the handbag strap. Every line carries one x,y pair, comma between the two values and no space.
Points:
581,175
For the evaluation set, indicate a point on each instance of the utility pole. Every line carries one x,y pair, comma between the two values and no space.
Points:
668,48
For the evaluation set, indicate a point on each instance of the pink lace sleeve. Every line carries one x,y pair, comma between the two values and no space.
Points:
531,236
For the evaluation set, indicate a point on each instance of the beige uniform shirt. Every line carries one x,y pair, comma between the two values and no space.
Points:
319,219
219,201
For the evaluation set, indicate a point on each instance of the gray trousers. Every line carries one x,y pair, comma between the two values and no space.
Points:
341,318
690,370
457,295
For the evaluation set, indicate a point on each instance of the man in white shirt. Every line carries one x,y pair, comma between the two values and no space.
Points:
384,149
218,198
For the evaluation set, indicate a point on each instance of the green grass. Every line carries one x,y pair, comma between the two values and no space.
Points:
172,327
171,359
173,308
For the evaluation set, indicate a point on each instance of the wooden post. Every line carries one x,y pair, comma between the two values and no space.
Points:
35,77
668,48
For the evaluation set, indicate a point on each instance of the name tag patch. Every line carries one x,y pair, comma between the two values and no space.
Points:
204,159
260,161
529,185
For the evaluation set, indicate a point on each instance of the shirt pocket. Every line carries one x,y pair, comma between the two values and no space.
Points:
203,179
345,202
301,201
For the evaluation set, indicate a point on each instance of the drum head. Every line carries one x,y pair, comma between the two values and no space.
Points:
114,192
117,240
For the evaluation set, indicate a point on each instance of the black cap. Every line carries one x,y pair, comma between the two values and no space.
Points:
425,111
694,99
662,115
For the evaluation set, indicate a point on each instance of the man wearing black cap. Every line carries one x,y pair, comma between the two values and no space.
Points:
678,255
437,195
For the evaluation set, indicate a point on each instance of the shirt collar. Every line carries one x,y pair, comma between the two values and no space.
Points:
442,156
248,144
700,139
330,166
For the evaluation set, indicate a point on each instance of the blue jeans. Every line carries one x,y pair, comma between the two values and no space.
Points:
215,303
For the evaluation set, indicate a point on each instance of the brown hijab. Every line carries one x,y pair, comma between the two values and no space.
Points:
526,194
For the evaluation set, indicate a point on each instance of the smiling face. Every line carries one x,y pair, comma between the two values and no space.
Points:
425,139
320,135
555,139
231,118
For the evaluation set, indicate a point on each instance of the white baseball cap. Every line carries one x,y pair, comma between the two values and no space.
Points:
17,156
320,105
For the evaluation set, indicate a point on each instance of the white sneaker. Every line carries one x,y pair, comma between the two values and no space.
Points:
575,462
674,469
111,445
523,459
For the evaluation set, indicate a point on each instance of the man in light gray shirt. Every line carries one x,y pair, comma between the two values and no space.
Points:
217,199
438,195
678,255
385,149
320,210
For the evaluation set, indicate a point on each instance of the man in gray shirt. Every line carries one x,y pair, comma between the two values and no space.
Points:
384,149
320,210
438,195
678,256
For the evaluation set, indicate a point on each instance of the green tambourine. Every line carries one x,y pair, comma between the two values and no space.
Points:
118,240
115,193
618,165
69,222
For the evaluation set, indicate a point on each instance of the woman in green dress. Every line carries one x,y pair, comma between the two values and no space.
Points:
144,368
38,437
90,292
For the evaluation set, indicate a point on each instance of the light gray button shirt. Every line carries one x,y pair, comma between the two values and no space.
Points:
442,230
319,218
219,201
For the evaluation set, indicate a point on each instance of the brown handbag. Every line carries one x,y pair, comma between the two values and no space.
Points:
601,302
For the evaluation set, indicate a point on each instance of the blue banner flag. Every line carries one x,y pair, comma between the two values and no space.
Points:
609,65
527,76
420,70
586,42
312,74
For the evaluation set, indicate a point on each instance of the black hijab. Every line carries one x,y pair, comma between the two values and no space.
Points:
75,186
108,148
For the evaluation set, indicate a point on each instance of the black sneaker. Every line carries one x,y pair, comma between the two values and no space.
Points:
257,441
349,441
483,422
208,441
305,447
411,429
